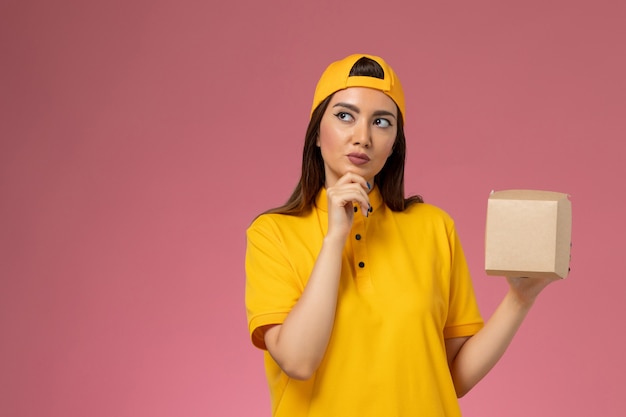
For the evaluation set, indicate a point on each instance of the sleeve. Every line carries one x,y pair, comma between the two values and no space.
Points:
272,288
464,318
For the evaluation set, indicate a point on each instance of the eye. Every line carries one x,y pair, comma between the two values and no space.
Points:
380,122
342,115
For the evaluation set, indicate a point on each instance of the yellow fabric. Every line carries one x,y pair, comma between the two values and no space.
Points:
336,77
386,356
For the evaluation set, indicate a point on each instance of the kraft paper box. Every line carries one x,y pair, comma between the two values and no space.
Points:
528,233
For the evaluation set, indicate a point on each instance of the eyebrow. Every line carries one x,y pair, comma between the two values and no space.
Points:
358,111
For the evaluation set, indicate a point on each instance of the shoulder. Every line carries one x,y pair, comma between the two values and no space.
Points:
424,219
427,212
265,223
275,223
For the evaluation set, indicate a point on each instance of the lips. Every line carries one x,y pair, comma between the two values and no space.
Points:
358,158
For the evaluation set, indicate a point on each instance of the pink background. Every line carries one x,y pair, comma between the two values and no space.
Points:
140,138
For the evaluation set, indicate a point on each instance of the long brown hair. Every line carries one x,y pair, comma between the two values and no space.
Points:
390,179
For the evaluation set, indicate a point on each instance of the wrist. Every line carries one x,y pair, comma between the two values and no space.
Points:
520,301
335,239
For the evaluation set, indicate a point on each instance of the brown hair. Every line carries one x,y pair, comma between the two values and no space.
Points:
390,179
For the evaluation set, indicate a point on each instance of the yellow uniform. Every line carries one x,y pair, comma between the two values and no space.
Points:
404,288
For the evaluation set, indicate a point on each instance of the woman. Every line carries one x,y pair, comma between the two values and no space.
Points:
362,299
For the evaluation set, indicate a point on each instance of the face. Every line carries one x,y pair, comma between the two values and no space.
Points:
357,133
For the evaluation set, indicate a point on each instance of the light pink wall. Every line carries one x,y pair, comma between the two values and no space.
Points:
140,138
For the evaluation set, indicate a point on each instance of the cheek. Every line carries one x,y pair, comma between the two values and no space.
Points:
327,149
390,148
387,148
327,138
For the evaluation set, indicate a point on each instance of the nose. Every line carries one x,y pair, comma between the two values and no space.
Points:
362,134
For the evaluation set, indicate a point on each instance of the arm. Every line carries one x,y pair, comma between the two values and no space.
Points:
470,359
298,344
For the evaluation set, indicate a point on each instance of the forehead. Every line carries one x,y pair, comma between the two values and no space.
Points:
364,98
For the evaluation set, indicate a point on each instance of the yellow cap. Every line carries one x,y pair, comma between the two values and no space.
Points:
336,77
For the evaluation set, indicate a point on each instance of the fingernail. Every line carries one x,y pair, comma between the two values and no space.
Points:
370,209
369,187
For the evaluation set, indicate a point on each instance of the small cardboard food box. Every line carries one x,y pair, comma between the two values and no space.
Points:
528,233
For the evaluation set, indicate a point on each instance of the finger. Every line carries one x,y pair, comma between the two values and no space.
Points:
342,195
354,178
